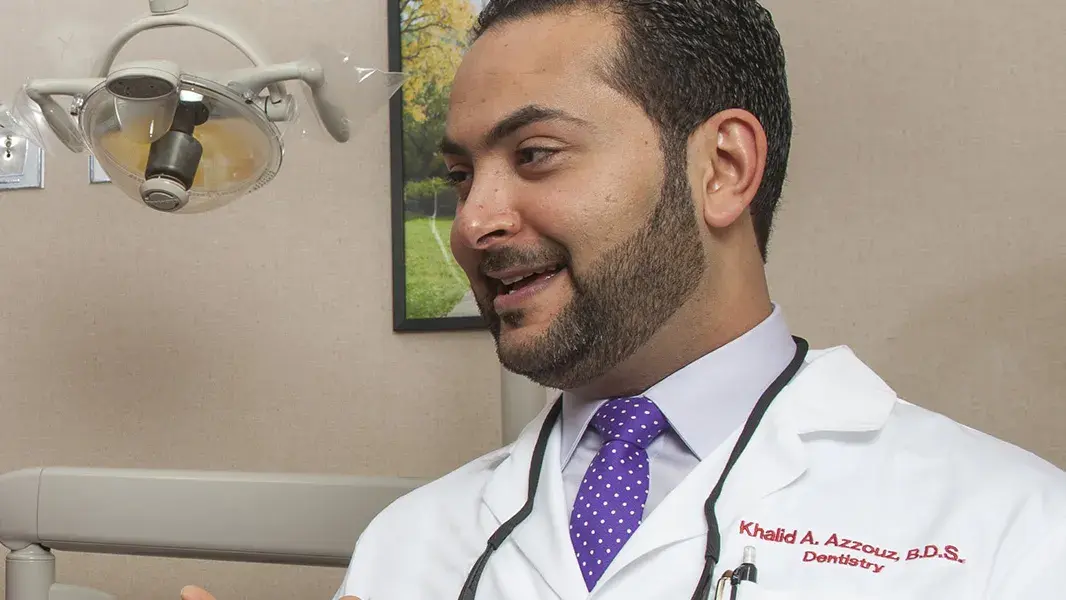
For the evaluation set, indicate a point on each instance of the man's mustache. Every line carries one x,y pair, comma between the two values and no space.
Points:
511,257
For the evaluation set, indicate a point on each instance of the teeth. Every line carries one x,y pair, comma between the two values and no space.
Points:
513,280
508,282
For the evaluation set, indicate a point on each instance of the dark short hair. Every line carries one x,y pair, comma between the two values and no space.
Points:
683,61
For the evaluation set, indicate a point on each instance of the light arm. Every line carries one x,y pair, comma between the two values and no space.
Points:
42,91
248,517
250,51
310,72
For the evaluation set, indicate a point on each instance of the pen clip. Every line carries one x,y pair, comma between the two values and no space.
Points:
723,581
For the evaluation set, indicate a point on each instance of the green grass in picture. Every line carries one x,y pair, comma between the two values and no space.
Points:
435,283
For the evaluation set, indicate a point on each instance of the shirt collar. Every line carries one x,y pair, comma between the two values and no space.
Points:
708,399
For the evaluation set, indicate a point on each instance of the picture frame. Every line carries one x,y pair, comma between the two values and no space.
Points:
430,292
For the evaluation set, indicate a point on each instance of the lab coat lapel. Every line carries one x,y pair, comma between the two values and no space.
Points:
544,537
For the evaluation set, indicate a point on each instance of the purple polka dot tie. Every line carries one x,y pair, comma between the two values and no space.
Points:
610,502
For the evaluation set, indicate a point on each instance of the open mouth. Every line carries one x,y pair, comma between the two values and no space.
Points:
510,285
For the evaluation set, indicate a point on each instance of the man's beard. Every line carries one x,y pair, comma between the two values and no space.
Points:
619,303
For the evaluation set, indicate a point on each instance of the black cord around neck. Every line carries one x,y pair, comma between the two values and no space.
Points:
714,536
497,538
713,550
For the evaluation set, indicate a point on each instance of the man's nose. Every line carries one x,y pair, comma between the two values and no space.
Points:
487,217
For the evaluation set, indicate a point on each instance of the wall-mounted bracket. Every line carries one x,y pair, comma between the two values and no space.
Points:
21,163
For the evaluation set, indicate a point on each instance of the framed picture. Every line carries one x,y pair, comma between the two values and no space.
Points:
426,41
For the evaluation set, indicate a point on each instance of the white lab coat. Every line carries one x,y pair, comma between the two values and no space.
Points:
845,491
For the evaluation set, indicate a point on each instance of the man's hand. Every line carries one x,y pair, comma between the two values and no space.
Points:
191,592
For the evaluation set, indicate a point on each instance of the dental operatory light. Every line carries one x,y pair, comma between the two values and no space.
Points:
184,142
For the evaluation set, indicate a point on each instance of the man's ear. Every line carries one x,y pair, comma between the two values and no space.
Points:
727,157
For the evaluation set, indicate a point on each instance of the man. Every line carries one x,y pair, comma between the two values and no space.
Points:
619,162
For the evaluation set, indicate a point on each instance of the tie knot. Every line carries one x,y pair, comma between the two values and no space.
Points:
635,420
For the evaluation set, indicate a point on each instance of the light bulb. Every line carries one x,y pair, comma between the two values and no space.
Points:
146,96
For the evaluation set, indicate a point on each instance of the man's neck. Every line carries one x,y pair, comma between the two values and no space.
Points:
680,342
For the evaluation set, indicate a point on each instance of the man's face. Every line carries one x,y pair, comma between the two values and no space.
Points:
578,238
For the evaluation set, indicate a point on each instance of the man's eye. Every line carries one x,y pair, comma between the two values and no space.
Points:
534,155
457,177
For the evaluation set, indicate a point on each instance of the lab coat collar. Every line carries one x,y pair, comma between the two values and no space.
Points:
833,392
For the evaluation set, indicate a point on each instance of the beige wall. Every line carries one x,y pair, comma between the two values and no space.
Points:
925,223
923,226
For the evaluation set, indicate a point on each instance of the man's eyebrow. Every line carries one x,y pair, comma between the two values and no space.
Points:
523,117
452,147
